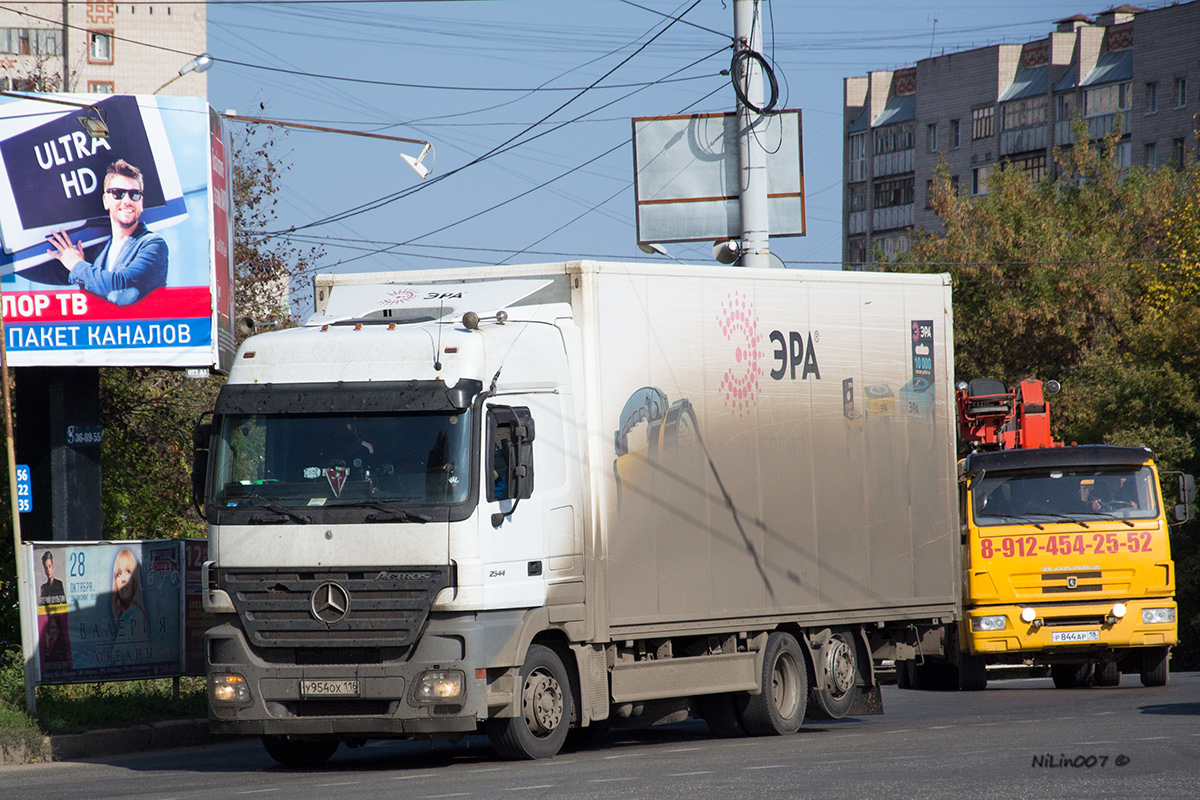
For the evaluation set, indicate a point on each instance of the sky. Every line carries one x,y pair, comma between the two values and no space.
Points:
528,105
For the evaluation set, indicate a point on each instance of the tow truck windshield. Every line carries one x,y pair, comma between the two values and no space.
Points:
1054,495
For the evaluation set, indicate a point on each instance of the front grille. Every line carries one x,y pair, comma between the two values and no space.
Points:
1072,622
386,608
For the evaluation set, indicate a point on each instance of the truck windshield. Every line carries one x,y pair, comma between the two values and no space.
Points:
314,460
1057,494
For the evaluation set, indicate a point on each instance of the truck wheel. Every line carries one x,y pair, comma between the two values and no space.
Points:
1108,674
720,714
1072,676
299,752
972,673
541,729
1155,671
779,708
839,661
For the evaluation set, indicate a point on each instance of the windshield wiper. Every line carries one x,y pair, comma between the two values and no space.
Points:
1060,517
1106,516
271,505
1026,520
391,512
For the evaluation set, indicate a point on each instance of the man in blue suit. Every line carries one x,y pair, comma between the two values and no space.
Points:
134,262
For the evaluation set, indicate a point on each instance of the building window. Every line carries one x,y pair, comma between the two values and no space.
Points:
100,87
31,41
1064,107
1023,113
858,197
931,134
1151,155
897,192
1035,167
1107,99
1152,98
982,121
1123,157
858,251
100,50
979,177
858,157
955,139
1177,153
894,138
1180,92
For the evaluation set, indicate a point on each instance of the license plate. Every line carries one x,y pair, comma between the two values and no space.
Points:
1074,636
329,688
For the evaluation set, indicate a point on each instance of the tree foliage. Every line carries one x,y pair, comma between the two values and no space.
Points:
1089,277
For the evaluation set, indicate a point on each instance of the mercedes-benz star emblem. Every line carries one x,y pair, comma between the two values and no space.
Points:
329,603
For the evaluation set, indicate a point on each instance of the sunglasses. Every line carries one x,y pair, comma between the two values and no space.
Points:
119,194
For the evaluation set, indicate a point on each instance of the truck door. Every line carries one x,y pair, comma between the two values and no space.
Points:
511,522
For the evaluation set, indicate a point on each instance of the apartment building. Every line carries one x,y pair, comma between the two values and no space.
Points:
1129,67
94,47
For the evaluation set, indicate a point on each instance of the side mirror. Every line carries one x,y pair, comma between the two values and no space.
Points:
201,438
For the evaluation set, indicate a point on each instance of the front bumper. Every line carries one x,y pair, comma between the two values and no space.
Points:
1068,628
383,702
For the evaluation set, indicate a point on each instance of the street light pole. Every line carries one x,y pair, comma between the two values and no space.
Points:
752,159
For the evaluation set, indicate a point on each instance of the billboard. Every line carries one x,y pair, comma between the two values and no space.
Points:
105,610
115,251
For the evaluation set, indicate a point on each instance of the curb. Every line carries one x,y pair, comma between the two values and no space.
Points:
114,741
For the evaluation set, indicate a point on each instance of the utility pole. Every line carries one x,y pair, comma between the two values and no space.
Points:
752,160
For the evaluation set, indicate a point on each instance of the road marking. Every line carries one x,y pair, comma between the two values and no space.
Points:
768,766
1081,744
942,727
609,780
412,777
257,791
1151,738
527,788
343,783
902,730
701,772
441,796
623,755
684,749
833,762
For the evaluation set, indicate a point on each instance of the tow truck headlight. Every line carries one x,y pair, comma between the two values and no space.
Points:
439,686
1153,615
997,623
228,688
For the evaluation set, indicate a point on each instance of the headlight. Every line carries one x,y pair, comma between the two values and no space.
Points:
228,688
998,623
1153,615
439,686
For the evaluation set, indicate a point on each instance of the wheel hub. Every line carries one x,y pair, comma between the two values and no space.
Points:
543,703
839,667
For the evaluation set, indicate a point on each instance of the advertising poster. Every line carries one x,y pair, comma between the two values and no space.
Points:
106,610
195,619
107,244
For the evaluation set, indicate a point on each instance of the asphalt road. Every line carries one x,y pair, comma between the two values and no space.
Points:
1019,739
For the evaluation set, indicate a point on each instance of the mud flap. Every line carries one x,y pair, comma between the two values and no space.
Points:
867,703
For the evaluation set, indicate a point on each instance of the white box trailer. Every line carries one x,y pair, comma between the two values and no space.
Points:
578,494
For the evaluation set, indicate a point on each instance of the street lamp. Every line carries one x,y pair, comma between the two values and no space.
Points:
200,63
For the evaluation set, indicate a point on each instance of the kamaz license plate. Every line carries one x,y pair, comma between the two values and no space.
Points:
1065,637
329,688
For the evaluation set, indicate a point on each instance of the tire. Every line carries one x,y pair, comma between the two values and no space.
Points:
720,714
1072,676
779,708
299,753
838,687
541,729
1108,674
972,673
1155,669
